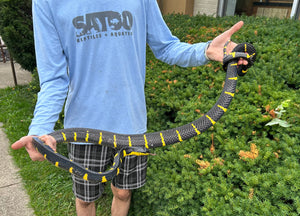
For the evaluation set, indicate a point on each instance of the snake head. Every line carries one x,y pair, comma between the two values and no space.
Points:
242,50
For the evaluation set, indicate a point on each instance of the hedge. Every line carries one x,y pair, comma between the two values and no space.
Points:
17,31
241,166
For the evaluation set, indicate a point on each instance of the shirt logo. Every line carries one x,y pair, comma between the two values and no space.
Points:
103,24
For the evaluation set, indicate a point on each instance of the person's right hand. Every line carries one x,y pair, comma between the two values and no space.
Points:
215,50
26,142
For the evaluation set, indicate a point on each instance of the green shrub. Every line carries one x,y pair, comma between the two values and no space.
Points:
17,31
240,166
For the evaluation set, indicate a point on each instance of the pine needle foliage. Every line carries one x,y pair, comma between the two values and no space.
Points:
17,31
240,166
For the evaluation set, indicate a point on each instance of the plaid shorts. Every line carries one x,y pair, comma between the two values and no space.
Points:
98,158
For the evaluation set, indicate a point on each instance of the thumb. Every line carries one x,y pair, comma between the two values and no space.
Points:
235,28
18,144
23,142
26,142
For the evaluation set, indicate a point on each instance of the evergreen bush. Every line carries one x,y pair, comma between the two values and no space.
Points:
17,31
241,166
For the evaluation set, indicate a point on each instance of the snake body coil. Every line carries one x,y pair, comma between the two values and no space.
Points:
139,144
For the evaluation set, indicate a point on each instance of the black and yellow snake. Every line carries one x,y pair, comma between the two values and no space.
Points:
140,144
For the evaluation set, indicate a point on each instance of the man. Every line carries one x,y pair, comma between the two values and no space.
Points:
93,54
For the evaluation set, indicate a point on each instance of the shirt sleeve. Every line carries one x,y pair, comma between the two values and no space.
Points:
167,47
52,70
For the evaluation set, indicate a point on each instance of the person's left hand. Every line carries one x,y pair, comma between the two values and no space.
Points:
215,50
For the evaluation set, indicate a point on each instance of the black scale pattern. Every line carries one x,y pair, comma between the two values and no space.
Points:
150,140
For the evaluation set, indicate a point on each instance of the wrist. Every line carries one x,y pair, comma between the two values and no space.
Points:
205,51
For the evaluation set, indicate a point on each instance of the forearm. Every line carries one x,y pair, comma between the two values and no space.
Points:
169,48
52,69
183,54
48,107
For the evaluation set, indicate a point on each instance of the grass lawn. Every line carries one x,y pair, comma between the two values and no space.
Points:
49,188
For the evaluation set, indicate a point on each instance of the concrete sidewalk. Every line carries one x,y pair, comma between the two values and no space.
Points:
6,75
13,198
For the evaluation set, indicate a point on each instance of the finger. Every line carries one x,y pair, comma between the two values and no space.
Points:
33,153
242,62
49,140
36,156
230,47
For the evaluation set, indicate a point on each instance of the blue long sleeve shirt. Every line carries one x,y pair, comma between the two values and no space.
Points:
91,56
